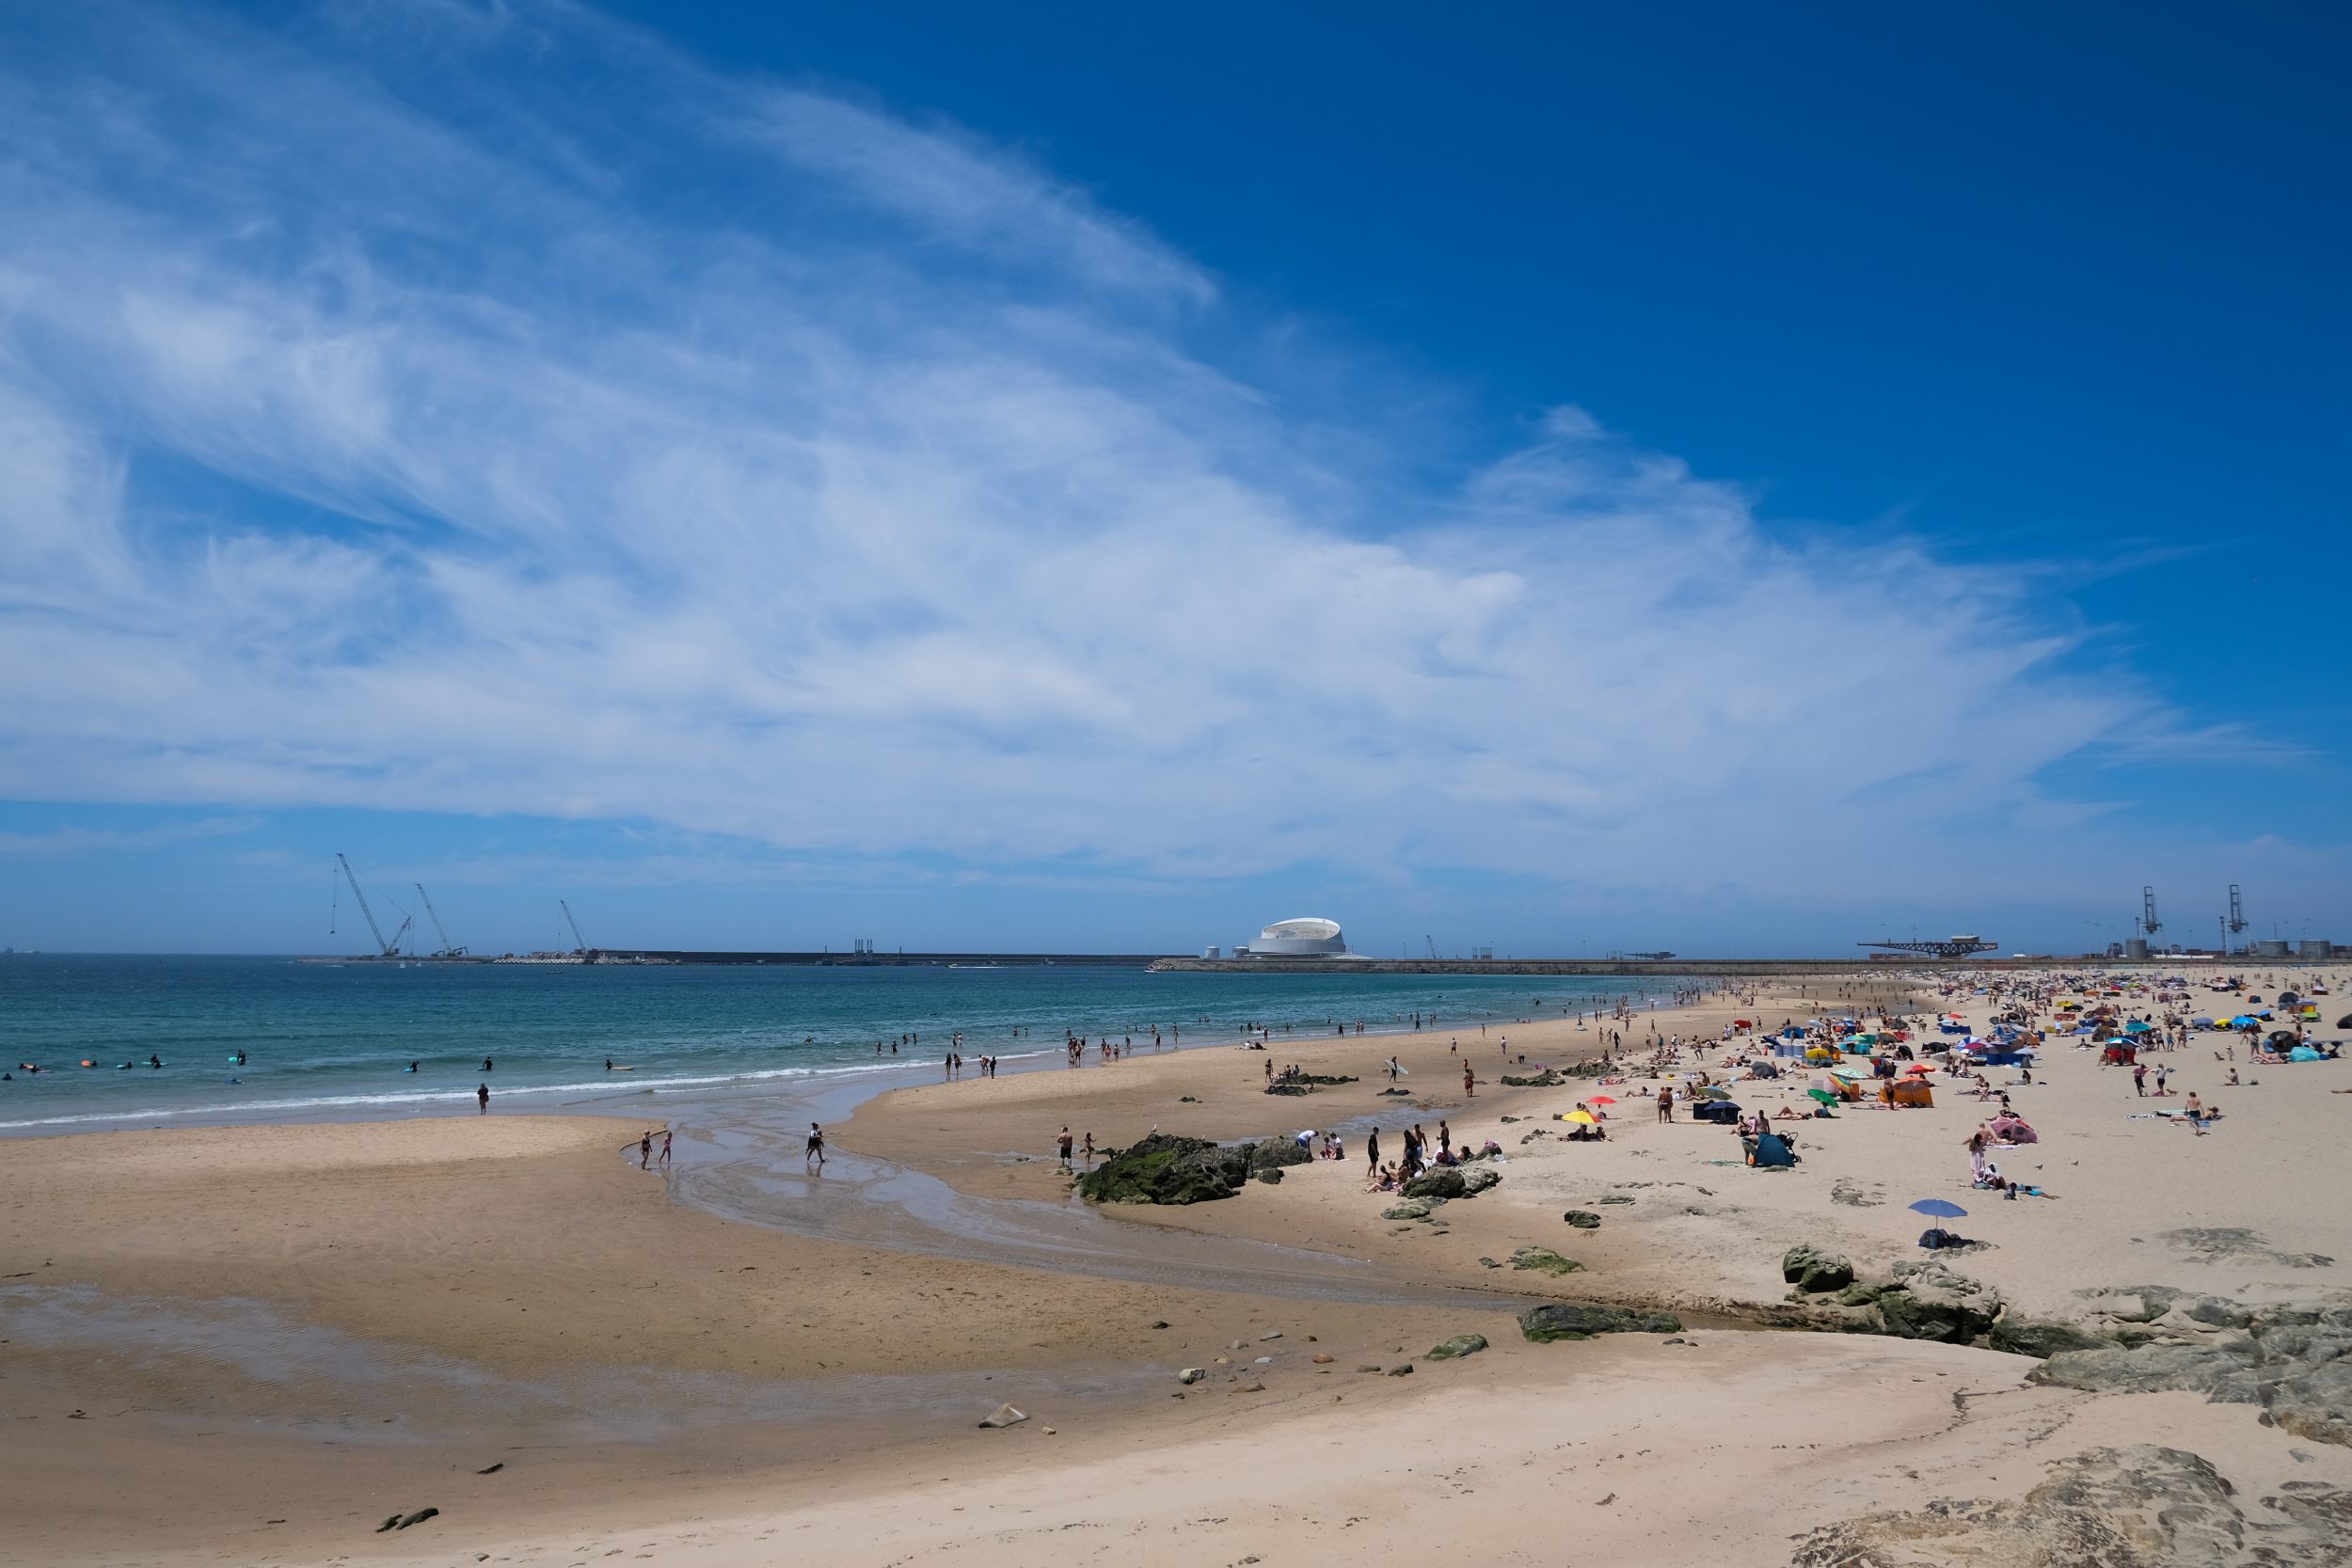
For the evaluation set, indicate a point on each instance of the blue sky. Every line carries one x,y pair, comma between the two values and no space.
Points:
1559,478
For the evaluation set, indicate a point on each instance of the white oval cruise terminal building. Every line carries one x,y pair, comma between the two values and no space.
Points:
1306,938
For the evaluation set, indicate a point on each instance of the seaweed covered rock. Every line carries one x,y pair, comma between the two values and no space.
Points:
1543,1259
1564,1320
1457,1347
1166,1169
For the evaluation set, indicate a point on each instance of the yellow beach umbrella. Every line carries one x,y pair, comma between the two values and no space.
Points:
1585,1116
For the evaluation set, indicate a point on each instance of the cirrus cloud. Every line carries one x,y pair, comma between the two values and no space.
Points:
404,426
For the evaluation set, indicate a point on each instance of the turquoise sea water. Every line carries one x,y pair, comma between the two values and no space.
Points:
327,1042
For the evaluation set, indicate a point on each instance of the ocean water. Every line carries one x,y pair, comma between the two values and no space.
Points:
327,1042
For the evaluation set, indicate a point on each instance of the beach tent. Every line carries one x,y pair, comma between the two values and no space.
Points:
1771,1153
1907,1091
2304,1054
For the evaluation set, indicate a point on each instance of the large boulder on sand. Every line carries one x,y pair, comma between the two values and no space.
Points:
1443,1181
1274,1153
1813,1271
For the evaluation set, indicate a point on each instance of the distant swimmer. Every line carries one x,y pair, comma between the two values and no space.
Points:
488,1065
816,1146
154,1061
239,1059
410,1067
482,1097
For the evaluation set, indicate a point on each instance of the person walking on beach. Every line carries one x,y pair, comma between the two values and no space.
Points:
645,1151
2140,1079
1065,1149
1372,1152
664,1160
1090,1150
482,1097
815,1152
1665,1103
1470,1081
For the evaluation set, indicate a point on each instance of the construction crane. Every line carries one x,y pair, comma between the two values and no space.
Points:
2149,923
2237,911
384,949
447,951
579,943
1951,947
1433,944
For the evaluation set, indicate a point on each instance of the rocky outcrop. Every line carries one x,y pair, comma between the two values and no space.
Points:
1412,1208
2039,1337
1584,1219
1928,1301
1564,1321
2139,1507
2293,1359
1170,1170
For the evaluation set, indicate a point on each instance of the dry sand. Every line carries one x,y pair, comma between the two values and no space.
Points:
321,1326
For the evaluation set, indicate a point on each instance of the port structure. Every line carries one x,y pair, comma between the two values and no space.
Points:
579,943
1951,947
447,949
384,949
2149,923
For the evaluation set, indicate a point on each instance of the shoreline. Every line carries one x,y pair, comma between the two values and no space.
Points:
508,1288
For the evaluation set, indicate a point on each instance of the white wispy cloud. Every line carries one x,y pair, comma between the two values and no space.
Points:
866,497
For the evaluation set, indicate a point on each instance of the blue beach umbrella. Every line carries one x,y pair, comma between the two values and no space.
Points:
1941,1208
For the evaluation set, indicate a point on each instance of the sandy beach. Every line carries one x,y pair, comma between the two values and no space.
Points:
254,1344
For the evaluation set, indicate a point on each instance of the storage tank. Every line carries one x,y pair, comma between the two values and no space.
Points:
2270,948
2315,947
2135,949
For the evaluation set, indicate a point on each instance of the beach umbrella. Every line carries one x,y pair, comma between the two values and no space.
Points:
1940,1208
1824,1096
1921,1068
1585,1116
2137,1027
1603,1100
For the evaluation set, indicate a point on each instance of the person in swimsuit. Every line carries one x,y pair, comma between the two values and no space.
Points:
1064,1144
664,1160
815,1155
645,1151
482,1097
